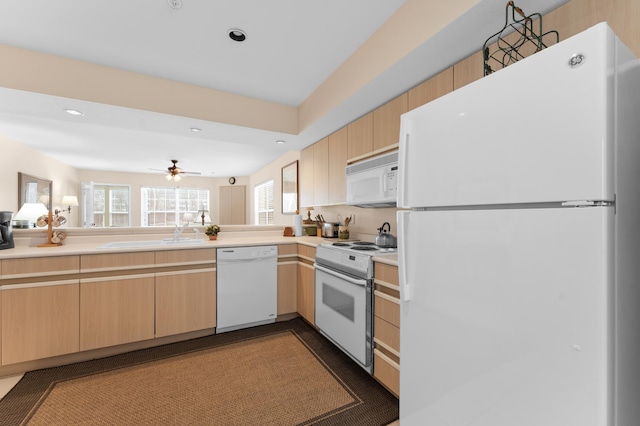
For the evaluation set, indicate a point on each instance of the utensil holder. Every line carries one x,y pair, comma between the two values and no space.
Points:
343,232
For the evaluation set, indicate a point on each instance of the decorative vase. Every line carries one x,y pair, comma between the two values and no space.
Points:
213,237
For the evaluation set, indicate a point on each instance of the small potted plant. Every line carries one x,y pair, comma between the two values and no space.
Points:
212,231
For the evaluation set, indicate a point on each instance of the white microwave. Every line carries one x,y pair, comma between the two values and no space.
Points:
373,182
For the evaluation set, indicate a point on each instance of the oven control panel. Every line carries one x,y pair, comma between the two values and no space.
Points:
358,262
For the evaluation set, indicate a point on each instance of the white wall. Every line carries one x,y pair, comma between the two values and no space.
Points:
16,157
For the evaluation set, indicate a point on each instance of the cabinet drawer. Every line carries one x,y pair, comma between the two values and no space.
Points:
40,266
387,274
307,251
287,249
387,308
387,372
386,333
186,257
110,261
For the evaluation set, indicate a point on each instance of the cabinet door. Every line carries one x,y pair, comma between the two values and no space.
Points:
287,287
321,172
431,89
185,301
305,177
233,205
468,70
338,142
386,123
306,292
116,310
360,137
39,321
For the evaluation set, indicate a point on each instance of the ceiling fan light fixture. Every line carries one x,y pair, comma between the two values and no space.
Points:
238,35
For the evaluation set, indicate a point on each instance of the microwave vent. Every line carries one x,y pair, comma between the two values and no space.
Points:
372,163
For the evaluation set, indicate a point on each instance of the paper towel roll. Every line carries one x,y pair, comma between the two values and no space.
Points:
297,225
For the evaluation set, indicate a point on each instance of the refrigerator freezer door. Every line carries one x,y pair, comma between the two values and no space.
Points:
536,131
507,323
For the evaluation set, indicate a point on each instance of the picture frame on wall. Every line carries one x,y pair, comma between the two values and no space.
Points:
32,189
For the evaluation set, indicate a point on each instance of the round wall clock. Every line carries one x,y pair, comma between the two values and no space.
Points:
232,180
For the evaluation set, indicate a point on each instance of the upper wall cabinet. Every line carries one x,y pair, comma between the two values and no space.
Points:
360,136
431,89
338,147
386,123
321,172
305,177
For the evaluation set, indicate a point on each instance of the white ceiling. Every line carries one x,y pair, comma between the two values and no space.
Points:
292,46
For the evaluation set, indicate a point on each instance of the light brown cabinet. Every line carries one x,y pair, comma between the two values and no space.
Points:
39,321
232,206
185,301
287,278
306,177
306,283
437,86
38,308
338,154
321,172
306,293
360,137
386,124
116,310
386,332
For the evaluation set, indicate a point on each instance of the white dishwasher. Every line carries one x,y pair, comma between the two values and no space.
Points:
247,287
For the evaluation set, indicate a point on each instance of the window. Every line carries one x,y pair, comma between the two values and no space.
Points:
165,206
106,205
263,202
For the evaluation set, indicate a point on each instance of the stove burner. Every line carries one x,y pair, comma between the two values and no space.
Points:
363,243
341,244
364,248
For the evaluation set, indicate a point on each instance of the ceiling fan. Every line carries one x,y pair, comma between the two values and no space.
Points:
174,172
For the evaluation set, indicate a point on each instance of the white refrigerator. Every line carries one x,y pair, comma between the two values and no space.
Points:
519,249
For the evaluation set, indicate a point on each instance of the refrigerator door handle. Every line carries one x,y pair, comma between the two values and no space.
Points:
402,223
403,155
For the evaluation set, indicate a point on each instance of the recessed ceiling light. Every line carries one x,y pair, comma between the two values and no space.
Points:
73,112
236,34
194,129
280,142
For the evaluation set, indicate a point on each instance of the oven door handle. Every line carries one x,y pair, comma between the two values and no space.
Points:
360,282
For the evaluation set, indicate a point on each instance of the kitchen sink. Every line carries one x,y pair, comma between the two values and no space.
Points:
153,243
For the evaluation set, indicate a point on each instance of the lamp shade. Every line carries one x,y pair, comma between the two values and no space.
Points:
70,200
29,213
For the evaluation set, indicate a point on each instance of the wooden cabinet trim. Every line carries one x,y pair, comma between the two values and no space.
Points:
116,278
39,284
183,272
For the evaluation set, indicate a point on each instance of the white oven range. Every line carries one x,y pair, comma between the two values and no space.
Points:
344,297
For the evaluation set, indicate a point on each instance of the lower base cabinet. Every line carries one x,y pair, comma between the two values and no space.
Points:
116,311
306,293
185,302
386,330
47,314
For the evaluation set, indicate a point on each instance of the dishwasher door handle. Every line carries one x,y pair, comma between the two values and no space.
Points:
245,259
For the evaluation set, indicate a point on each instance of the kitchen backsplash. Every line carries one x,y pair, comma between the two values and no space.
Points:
367,220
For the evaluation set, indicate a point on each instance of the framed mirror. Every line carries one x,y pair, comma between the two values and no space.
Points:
34,190
290,188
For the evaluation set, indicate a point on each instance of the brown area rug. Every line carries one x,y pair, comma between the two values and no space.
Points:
280,374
